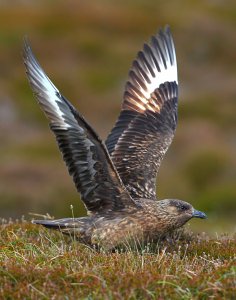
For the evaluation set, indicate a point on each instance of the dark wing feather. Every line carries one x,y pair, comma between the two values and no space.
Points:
85,155
146,125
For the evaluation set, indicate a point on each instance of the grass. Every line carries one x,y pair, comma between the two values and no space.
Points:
87,49
40,264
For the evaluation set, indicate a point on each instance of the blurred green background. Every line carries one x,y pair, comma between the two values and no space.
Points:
86,48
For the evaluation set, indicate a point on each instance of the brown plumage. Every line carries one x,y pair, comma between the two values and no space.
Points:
117,180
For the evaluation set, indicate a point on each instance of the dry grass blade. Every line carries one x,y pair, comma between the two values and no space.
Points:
43,265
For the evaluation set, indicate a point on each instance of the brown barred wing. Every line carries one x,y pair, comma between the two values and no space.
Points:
145,127
144,142
85,155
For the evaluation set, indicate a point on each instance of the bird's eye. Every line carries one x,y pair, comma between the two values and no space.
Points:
183,207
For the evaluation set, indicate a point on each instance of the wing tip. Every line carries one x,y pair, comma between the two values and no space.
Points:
27,51
153,66
166,29
48,223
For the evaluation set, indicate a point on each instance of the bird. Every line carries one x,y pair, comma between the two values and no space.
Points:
117,178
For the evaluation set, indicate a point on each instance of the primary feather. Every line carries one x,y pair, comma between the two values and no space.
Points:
85,155
147,122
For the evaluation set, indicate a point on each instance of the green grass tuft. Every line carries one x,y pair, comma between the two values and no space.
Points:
42,264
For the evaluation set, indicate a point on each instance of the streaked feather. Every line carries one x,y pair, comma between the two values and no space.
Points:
86,157
146,125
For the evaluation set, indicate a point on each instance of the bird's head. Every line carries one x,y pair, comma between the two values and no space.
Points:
178,212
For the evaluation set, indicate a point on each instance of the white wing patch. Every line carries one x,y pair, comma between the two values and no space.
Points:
47,94
169,74
154,65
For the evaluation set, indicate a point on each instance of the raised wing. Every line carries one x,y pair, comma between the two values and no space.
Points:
146,125
85,155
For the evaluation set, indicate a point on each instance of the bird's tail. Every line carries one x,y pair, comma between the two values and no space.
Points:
55,224
75,227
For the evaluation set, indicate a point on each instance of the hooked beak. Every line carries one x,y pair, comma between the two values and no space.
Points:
199,214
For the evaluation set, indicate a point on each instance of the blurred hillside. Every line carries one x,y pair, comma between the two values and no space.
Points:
86,48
